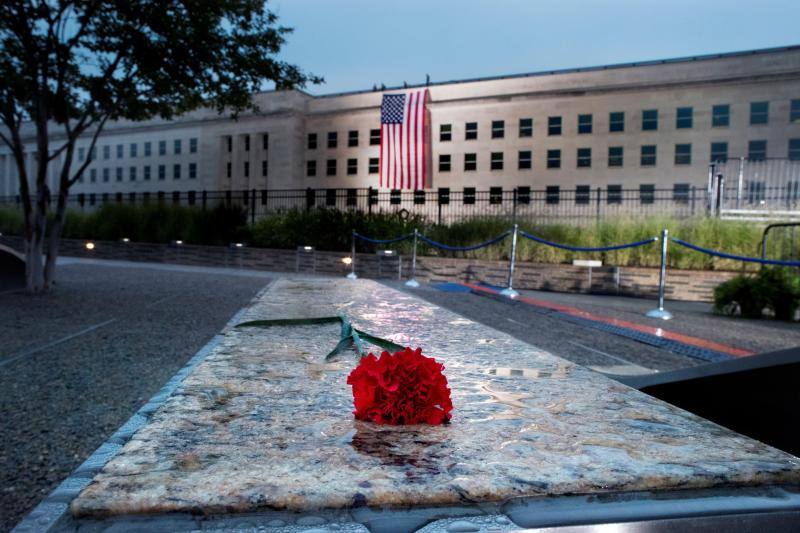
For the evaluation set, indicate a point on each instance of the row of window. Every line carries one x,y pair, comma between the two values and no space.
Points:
133,173
684,119
133,149
312,142
757,151
246,141
246,169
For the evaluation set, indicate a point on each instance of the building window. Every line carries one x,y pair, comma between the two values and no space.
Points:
147,173
647,193
554,159
756,191
794,149
162,147
192,171
311,168
525,160
330,169
132,173
228,139
193,145
495,195
523,195
552,194
228,170
162,171
107,151
471,131
584,124
469,196
120,151
680,193
445,132
794,111
247,169
134,150
616,121
648,157
683,118
720,116
352,166
526,127
246,139
264,168
757,150
177,145
497,161
650,120
582,194
352,138
554,125
614,194
93,153
615,155
333,139
374,137
312,141
119,173
81,154
683,154
470,162
93,175
759,113
106,175
265,141
584,157
719,152
444,162
176,171
374,165
498,129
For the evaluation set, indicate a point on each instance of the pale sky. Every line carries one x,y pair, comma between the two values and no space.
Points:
354,44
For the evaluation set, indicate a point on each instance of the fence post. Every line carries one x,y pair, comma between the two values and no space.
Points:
369,200
509,290
352,274
662,278
252,207
694,195
710,191
412,282
597,208
514,208
720,194
740,184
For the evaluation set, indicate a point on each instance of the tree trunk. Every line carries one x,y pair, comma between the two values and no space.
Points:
54,239
34,258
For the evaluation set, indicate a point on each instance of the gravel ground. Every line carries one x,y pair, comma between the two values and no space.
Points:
135,328
604,351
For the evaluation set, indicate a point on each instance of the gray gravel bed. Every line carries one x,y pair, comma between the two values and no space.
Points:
58,404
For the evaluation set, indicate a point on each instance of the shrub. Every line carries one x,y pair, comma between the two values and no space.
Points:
775,289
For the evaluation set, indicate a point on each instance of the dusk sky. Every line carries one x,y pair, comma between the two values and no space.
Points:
354,44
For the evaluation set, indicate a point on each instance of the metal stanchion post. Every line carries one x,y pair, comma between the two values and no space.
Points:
661,312
352,274
509,291
412,282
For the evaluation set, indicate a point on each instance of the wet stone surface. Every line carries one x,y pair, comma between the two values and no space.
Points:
265,423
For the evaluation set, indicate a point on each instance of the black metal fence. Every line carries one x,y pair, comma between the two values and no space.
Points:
443,205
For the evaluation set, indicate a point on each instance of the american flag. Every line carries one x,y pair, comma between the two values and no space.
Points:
404,140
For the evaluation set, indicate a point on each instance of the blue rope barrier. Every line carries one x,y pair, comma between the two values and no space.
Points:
383,241
736,257
464,248
587,249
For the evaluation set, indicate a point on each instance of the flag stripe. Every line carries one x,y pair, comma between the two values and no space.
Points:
404,140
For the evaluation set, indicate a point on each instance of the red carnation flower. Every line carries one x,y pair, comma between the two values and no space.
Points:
401,388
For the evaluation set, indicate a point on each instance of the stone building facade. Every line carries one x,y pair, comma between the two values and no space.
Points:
651,124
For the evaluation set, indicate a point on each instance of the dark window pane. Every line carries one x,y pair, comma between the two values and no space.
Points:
794,111
374,165
497,161
757,150
584,123
680,192
471,130
525,160
352,138
614,194
719,152
469,195
495,195
470,162
683,118
444,162
524,195
759,112
526,127
352,167
445,132
552,194
794,149
374,137
648,158
554,125
333,139
650,120
721,116
312,141
616,121
498,129
584,157
554,159
330,168
683,154
647,193
615,156
582,194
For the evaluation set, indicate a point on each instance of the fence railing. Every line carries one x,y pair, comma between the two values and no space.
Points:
443,205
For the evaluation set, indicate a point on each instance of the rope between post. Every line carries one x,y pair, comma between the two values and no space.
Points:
586,248
463,248
382,241
724,255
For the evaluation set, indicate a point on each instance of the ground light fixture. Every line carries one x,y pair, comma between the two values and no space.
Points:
347,260
237,245
125,239
89,245
177,243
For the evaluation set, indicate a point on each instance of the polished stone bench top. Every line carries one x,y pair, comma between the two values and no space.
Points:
264,423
